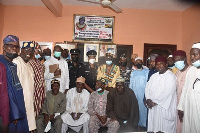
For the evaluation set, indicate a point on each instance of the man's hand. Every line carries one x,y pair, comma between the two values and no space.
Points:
150,103
57,72
46,118
180,115
15,122
103,119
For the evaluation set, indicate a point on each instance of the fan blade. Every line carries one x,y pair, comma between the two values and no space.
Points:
115,8
91,1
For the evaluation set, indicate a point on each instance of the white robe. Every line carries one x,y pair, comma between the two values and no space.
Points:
161,89
77,103
190,102
64,79
26,77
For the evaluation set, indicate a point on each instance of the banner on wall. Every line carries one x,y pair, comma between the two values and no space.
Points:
89,28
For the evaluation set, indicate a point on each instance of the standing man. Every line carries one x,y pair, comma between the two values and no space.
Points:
97,110
109,71
75,68
17,112
122,106
26,77
171,64
138,82
47,54
180,61
161,98
190,97
60,70
76,114
38,68
152,65
90,69
124,70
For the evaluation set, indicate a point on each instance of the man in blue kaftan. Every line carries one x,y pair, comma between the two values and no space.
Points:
138,82
17,114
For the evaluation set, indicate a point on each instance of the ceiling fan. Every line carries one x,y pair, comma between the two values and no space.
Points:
105,3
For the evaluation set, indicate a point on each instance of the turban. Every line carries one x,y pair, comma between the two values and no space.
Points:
196,45
161,59
10,38
153,56
120,79
81,80
28,45
179,53
138,58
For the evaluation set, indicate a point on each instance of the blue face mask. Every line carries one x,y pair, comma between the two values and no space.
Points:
37,56
109,62
57,54
196,63
180,65
47,57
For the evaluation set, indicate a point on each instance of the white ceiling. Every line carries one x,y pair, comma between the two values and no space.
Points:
169,5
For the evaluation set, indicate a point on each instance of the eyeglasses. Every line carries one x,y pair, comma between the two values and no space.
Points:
12,46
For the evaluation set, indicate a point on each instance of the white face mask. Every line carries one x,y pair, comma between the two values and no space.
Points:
92,61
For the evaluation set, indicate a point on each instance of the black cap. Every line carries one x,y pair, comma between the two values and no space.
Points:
91,53
75,51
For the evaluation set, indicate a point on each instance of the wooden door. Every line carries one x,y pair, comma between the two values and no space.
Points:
160,49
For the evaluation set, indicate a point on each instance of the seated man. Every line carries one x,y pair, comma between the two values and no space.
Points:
122,106
97,110
54,105
76,114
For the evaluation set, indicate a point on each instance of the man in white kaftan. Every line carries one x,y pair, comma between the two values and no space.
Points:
190,97
76,114
161,91
26,77
63,67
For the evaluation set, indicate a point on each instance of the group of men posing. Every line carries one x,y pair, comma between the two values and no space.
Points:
62,93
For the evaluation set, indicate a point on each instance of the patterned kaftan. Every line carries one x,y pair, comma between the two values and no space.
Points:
39,93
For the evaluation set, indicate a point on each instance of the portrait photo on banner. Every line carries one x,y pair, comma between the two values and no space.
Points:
104,48
88,47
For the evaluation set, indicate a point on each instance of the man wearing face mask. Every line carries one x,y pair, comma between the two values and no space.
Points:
97,110
152,65
171,64
124,70
138,82
47,53
90,69
190,97
75,67
13,112
26,77
109,71
38,68
60,70
180,62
